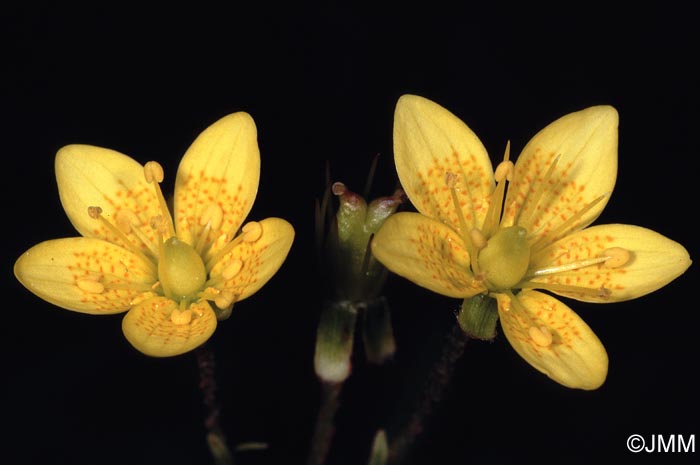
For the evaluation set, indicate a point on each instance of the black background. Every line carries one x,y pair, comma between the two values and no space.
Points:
321,82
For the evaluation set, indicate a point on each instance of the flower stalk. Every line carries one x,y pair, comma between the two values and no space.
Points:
354,279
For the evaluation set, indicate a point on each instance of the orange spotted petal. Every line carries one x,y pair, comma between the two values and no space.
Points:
641,261
553,339
581,148
426,252
434,148
217,182
251,263
85,275
157,326
90,176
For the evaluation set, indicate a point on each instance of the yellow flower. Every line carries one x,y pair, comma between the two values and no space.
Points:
472,237
175,275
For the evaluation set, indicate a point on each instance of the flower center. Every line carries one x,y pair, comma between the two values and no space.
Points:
505,258
181,270
501,252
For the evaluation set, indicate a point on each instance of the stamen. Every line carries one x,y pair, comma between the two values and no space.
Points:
181,317
540,192
232,269
478,239
616,257
213,216
95,285
217,282
451,181
546,239
154,174
540,336
96,213
224,300
601,292
153,171
251,231
503,173
569,266
211,219
92,286
128,222
209,293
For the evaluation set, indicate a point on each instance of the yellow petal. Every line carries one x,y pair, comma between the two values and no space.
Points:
586,144
553,339
217,180
91,176
652,261
426,252
251,264
430,144
85,275
151,327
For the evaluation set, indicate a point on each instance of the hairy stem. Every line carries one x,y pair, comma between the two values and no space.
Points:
324,429
207,383
437,382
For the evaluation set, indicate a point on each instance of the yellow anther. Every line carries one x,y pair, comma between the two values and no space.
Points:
213,216
224,300
251,231
153,171
616,257
478,239
232,269
181,317
504,170
125,220
540,336
91,286
94,212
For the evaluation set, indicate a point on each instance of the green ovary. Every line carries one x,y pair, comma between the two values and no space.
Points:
181,270
505,259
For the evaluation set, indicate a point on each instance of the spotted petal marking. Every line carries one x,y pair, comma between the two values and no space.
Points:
91,176
84,274
553,339
426,252
217,180
430,144
581,149
150,328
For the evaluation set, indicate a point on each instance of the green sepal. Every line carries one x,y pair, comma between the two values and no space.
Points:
478,317
377,331
334,341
